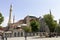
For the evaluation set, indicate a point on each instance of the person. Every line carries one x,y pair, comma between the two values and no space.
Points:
25,36
2,37
6,37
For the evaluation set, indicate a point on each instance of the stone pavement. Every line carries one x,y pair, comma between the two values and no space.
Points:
33,38
0,37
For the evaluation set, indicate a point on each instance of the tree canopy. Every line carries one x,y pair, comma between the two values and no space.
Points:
1,18
27,29
57,29
34,25
50,22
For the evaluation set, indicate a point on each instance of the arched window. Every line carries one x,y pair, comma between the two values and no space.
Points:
18,34
21,33
15,34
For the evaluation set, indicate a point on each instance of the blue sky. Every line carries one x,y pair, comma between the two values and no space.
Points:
22,8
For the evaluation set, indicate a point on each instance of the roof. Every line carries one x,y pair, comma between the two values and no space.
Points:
32,17
2,28
8,32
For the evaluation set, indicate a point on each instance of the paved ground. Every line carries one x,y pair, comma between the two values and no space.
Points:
33,38
0,37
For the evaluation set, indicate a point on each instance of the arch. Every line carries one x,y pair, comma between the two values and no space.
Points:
15,34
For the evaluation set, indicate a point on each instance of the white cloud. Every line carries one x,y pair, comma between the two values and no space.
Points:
5,22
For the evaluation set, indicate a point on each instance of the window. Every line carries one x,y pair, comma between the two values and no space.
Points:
18,34
15,34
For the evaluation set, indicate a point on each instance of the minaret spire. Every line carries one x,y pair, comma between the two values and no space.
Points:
50,12
10,14
13,18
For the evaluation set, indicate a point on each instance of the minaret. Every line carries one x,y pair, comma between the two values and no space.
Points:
10,14
50,12
59,21
13,18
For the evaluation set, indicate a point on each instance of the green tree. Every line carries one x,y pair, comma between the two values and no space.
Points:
1,18
57,29
34,25
0,26
27,29
50,22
